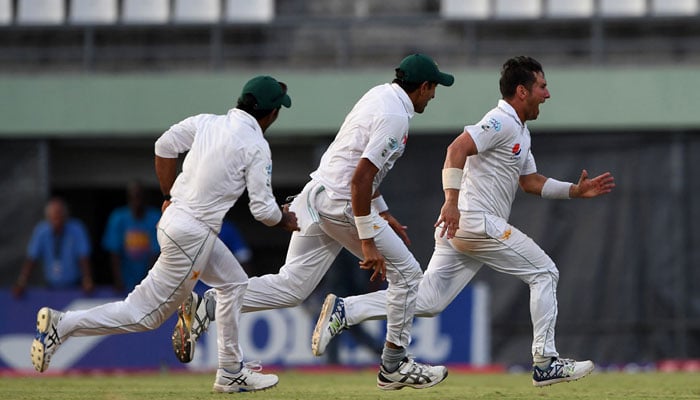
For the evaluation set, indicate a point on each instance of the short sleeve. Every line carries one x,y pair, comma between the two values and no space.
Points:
386,137
485,134
530,167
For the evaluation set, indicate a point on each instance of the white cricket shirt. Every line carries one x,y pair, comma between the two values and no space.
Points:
376,129
227,154
490,179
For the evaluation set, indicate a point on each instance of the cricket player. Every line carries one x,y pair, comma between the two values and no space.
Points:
342,207
482,171
227,155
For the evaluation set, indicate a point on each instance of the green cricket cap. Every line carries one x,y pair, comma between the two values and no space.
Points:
419,68
268,92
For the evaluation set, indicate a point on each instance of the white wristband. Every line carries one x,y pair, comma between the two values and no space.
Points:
554,189
451,178
365,226
379,204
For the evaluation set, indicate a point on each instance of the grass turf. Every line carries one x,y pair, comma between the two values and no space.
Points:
352,385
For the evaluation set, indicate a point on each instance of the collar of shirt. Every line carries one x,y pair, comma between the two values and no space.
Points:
403,96
245,118
508,109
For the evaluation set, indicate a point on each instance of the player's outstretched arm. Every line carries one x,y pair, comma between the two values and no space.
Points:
592,187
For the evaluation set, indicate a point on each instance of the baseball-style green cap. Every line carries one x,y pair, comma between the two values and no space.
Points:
419,68
268,92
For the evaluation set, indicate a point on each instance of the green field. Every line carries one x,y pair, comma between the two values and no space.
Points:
352,385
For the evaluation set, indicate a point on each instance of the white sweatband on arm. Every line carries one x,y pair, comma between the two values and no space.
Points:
365,226
379,204
451,178
554,189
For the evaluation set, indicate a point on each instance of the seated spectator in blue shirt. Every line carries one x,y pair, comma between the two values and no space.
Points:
130,238
62,246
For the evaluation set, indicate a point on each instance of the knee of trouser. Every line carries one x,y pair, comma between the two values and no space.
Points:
408,277
232,287
553,272
429,311
547,274
430,307
416,276
296,298
229,292
152,321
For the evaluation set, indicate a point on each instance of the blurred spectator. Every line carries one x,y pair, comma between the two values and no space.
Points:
62,246
233,239
130,239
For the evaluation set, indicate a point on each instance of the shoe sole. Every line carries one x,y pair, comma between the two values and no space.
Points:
400,385
240,389
322,324
560,380
183,345
38,352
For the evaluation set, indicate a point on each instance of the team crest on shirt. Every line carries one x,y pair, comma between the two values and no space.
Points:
492,123
392,143
516,150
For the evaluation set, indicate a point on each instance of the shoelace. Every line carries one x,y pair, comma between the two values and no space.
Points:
416,366
201,324
415,372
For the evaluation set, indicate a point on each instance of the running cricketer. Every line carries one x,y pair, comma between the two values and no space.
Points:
482,171
227,154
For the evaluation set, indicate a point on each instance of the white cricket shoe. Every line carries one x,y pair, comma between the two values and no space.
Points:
561,370
249,379
331,323
46,339
411,374
192,322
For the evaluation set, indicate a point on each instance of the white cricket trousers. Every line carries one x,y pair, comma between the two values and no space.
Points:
190,251
328,225
481,239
